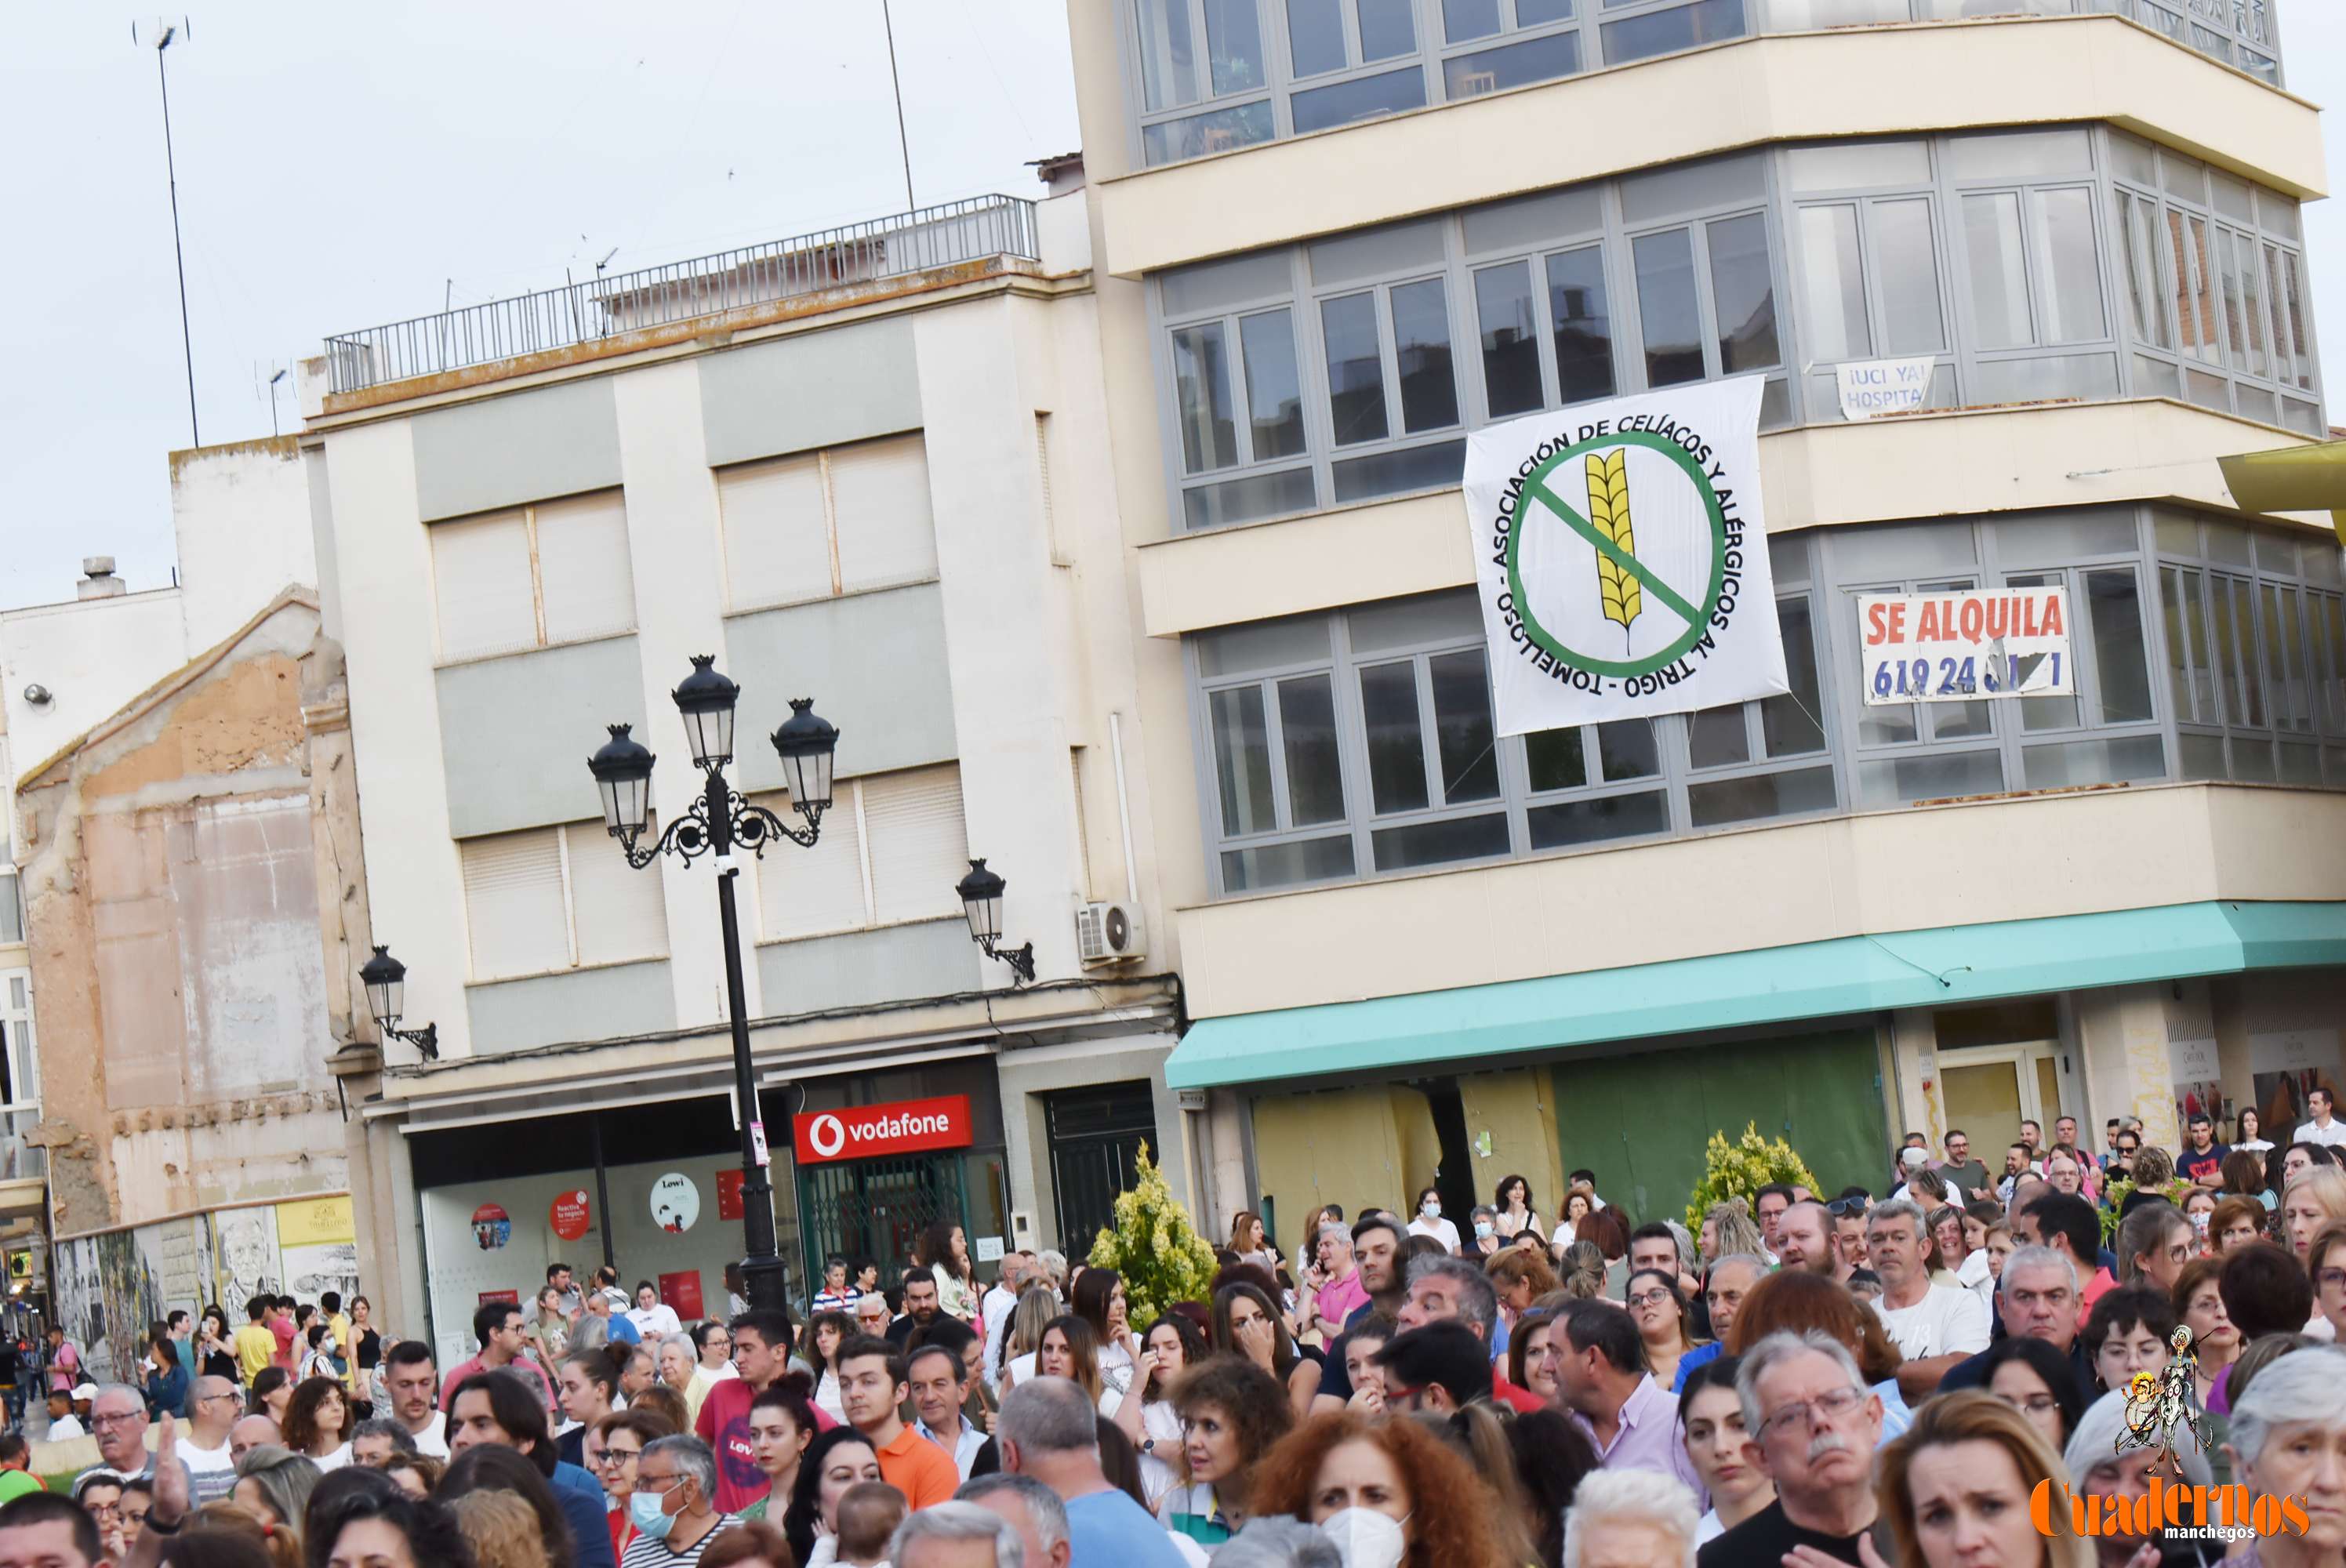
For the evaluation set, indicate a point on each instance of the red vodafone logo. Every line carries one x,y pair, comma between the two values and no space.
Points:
899,1127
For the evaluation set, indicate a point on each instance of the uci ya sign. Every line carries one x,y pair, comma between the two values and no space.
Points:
1621,558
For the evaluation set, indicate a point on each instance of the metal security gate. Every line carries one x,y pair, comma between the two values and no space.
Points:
876,1208
1095,1138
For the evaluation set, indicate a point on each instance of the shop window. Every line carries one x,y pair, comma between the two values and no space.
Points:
533,576
555,898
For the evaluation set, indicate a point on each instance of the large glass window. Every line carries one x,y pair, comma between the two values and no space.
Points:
2211,287
1211,76
1347,369
1362,742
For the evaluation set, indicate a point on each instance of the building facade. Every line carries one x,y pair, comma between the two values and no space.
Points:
868,468
1332,238
175,1115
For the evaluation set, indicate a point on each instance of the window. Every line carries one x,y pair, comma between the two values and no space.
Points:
2212,288
1208,75
2256,650
1198,52
553,898
533,576
826,522
18,1059
893,848
1347,369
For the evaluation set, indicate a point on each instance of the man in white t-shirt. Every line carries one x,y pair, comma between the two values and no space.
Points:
1935,1326
212,1409
2321,1129
413,1380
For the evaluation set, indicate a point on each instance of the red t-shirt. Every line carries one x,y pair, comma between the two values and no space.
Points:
282,1328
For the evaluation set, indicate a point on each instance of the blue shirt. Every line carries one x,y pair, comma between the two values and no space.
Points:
1696,1357
580,1497
1107,1529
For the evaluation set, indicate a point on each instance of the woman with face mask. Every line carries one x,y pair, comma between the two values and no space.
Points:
1390,1493
1429,1222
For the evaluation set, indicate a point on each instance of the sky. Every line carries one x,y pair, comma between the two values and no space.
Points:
341,167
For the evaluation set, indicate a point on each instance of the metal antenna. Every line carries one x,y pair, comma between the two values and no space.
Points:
272,402
178,251
901,144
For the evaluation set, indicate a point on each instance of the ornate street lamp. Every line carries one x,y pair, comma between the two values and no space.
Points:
718,819
981,900
385,978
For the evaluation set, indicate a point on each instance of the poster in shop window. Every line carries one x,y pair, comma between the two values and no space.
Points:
1621,557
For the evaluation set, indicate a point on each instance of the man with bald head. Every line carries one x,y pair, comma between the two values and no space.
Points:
1804,1239
1731,1279
252,1432
212,1409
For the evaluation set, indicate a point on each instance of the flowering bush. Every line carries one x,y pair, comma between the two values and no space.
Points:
1155,1247
2114,1194
1741,1168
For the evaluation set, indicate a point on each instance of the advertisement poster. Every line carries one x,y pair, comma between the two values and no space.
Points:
2285,1066
570,1214
897,1128
682,1291
492,1227
1621,558
729,1194
1966,645
676,1202
2192,1064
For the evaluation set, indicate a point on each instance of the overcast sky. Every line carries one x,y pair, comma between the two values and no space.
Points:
339,170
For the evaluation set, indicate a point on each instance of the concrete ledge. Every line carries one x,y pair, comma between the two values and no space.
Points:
1978,461
1913,78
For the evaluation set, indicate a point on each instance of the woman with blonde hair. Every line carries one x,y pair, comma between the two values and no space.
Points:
1521,1277
1250,1241
1583,1271
2312,1199
1038,1305
1956,1487
1728,1231
503,1530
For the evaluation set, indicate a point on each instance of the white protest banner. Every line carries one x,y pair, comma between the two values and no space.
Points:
1871,388
1621,556
1962,645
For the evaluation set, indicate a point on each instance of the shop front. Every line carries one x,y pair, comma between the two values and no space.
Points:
1838,1047
873,1178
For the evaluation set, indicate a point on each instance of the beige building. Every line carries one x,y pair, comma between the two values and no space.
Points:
1332,237
867,467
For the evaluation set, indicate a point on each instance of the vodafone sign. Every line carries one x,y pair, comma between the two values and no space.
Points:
865,1132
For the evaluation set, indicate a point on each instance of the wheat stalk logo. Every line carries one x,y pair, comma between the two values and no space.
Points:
1609,513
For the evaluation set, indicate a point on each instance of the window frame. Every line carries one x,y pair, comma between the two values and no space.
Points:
2271,397
847,797
528,510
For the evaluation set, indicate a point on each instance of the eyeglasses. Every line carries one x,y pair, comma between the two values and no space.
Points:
1653,1298
2039,1404
120,1420
1804,1415
2331,1279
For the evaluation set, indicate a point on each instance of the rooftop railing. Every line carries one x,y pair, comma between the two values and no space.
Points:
584,312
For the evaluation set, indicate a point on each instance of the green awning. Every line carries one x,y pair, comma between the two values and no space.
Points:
1947,966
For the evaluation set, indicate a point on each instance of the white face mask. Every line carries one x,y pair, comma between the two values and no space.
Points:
1431,1209
1365,1538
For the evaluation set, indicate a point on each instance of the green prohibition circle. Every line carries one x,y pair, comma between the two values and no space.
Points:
1540,635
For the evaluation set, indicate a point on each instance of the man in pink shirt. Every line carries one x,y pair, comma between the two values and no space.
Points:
1337,1277
497,1327
281,1325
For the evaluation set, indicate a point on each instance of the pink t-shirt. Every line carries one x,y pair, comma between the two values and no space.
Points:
1345,1297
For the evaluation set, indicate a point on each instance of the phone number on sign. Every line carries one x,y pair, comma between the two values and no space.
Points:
1970,676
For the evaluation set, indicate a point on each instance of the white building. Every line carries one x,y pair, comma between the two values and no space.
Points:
868,468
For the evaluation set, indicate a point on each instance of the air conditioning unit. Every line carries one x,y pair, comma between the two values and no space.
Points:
1108,934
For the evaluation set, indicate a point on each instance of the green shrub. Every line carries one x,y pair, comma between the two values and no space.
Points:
1741,1168
1155,1247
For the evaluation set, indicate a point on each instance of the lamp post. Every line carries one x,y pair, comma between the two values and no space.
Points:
385,978
981,903
718,820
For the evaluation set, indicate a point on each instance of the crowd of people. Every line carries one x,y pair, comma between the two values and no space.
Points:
1946,1369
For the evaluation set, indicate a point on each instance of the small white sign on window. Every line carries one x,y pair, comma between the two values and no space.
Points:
989,1249
1871,388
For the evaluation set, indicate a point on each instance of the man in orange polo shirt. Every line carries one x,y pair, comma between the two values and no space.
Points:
872,1385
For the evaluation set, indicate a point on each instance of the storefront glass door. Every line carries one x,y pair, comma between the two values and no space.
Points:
1988,1093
